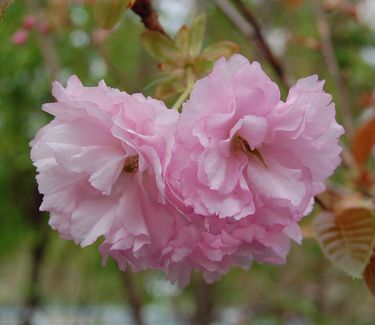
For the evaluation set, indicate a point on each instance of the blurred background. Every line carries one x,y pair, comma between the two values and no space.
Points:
47,280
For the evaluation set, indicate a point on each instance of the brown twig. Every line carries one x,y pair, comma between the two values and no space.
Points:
244,20
134,299
204,301
37,252
40,244
320,202
149,17
262,44
333,66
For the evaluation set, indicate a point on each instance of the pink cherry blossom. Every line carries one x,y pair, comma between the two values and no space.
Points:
101,162
183,243
221,185
241,148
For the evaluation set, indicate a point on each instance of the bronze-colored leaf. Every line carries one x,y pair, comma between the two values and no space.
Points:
347,235
369,274
363,141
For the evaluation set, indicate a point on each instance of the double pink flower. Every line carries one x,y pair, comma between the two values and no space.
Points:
221,184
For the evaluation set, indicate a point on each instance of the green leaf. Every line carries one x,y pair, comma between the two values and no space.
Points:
108,12
182,40
347,235
202,67
196,35
160,47
363,141
222,49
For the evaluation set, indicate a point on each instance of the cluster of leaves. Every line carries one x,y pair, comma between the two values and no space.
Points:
183,60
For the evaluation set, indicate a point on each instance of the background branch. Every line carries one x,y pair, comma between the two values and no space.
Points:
149,17
244,20
333,66
134,299
46,47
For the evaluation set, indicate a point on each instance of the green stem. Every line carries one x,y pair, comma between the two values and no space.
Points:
178,104
189,87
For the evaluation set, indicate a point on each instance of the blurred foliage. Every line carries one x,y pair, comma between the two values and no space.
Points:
308,289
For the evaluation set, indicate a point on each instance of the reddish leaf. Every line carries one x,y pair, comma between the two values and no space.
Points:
363,141
369,274
347,235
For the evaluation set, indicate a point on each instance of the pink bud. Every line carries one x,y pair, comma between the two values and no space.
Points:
29,22
20,37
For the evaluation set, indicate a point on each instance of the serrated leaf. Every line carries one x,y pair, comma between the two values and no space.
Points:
108,12
369,274
222,49
363,141
196,35
160,47
347,236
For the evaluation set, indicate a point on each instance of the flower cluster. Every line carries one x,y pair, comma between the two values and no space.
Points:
221,184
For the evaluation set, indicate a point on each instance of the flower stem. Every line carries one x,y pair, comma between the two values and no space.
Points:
189,87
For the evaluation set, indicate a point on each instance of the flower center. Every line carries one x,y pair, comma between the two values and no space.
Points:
131,164
242,145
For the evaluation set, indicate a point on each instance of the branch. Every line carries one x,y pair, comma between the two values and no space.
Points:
149,17
333,66
46,47
244,20
204,297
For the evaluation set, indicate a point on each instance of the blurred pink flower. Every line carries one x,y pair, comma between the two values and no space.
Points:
101,162
29,22
20,37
